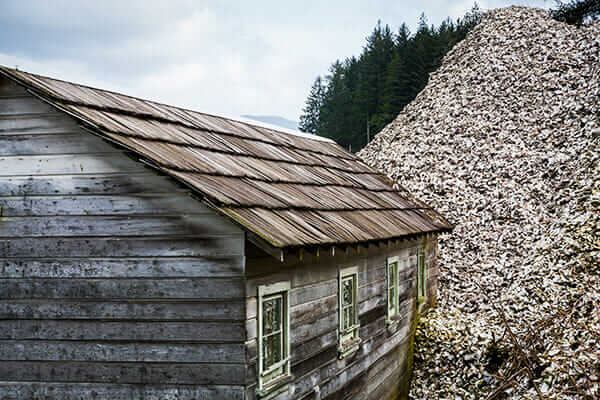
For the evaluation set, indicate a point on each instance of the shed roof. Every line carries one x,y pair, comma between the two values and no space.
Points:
290,190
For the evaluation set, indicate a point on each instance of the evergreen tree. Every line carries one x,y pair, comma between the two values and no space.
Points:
395,93
355,120
419,58
310,118
374,62
336,108
468,22
402,39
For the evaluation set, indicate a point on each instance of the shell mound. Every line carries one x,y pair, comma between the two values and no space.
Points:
504,141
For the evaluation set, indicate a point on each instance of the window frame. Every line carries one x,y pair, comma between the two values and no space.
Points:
394,311
348,338
422,273
266,293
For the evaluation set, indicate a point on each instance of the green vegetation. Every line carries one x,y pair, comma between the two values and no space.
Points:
496,356
361,95
577,12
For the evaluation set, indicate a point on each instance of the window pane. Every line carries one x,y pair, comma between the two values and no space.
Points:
271,350
276,372
347,291
272,315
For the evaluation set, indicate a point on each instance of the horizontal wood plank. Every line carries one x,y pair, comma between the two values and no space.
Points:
152,373
24,105
62,143
37,125
139,204
304,333
188,288
313,292
133,183
370,304
15,350
130,331
351,388
373,289
148,391
307,349
373,274
306,313
125,247
154,267
229,310
100,163
112,226
326,355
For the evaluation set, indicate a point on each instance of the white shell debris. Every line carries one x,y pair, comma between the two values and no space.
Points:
504,141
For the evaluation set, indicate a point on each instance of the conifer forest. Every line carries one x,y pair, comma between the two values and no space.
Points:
360,95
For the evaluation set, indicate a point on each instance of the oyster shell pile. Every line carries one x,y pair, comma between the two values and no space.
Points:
504,141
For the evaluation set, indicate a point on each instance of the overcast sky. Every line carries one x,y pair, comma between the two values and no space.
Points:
223,57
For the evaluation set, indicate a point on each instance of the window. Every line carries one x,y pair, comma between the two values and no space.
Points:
421,274
348,311
273,335
392,287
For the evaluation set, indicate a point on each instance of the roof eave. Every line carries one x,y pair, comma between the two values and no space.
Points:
281,252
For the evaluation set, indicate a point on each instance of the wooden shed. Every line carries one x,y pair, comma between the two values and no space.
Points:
153,252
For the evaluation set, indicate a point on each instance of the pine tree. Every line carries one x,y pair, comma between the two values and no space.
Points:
310,118
418,61
375,59
336,105
395,93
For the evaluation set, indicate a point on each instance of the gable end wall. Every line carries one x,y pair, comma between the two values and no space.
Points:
114,281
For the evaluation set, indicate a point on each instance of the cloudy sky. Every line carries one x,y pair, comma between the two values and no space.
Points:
223,57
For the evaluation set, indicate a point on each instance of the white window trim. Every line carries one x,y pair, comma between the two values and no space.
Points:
264,388
392,316
348,347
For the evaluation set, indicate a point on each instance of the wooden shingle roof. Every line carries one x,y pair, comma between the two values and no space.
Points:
290,190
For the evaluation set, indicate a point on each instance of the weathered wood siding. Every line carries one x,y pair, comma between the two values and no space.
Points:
379,369
114,282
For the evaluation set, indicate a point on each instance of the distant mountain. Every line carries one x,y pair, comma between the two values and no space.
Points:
274,120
